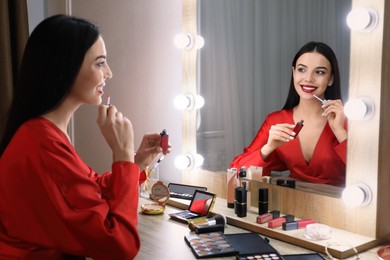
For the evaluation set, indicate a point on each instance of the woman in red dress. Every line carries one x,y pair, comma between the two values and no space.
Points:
52,205
318,153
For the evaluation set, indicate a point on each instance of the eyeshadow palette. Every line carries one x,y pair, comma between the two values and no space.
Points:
271,256
210,245
242,245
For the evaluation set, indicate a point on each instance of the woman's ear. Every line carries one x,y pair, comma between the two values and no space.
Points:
330,81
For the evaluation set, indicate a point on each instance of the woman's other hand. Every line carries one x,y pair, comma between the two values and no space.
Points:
279,134
334,112
149,148
118,133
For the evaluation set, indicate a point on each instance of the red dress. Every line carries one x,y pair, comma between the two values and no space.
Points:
327,166
52,204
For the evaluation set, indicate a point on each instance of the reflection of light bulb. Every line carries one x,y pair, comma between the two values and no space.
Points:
359,108
188,102
188,41
357,195
188,161
199,101
363,20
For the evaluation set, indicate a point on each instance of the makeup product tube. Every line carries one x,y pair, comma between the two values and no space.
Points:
246,185
263,201
164,141
297,224
273,214
240,202
231,186
209,229
298,128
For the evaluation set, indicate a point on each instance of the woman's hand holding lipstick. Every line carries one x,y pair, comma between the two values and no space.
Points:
279,134
149,148
118,132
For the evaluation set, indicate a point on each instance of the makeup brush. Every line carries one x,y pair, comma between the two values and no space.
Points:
215,220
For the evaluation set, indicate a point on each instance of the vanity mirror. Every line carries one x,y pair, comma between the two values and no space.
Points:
367,140
244,69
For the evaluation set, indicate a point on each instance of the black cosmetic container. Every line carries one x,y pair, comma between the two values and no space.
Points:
240,202
263,201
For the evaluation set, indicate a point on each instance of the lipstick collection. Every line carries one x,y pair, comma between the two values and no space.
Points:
238,197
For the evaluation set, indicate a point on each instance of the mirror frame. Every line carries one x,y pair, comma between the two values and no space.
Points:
367,140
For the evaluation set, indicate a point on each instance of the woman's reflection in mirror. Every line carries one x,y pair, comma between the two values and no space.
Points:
318,153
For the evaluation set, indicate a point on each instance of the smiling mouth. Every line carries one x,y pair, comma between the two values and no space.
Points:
100,89
308,88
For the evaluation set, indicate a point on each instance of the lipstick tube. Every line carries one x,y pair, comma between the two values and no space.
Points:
240,207
268,216
278,222
263,201
298,128
297,224
164,141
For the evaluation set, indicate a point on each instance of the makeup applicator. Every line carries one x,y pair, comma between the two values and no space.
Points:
215,220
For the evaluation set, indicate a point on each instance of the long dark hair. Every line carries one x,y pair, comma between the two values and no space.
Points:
51,61
333,91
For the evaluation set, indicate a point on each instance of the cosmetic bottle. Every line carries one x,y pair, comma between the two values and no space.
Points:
240,202
298,128
263,201
164,140
231,185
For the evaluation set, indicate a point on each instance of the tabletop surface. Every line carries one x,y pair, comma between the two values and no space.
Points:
163,238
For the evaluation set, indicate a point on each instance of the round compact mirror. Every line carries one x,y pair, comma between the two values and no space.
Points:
160,195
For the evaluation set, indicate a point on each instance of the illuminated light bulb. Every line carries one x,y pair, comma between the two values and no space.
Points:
182,162
188,161
357,195
188,102
363,20
188,41
359,109
182,102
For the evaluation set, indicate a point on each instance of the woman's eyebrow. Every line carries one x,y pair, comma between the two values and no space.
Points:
101,57
320,67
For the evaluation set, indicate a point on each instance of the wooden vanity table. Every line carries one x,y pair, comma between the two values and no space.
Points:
162,238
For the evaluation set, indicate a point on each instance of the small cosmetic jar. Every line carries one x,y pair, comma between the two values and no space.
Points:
317,232
383,253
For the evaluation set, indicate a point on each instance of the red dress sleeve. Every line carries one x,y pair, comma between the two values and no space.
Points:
251,155
53,202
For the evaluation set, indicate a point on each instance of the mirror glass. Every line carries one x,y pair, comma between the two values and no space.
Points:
244,68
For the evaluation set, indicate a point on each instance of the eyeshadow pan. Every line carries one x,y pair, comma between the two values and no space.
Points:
210,245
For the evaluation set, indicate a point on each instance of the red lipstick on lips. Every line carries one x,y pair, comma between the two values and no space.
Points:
308,88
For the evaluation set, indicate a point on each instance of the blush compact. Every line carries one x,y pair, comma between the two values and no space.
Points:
160,195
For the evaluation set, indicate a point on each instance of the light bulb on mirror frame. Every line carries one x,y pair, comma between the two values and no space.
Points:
362,19
357,195
188,41
188,161
359,108
188,102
